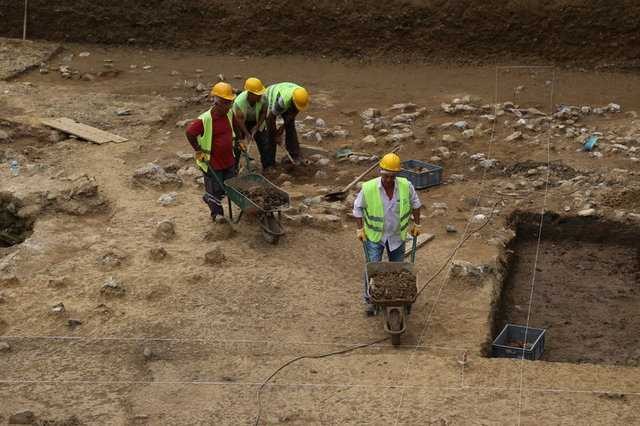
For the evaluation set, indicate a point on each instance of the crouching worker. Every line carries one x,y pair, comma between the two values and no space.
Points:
383,210
211,136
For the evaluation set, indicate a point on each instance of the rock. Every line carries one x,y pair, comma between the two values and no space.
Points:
201,87
166,230
451,229
399,137
183,123
437,206
22,418
587,212
168,199
157,253
369,139
449,138
320,174
479,218
456,178
614,108
87,77
514,136
154,175
148,354
5,347
112,287
635,217
404,118
58,308
461,125
487,164
370,114
435,159
147,67
111,259
83,54
320,123
73,323
214,256
468,134
404,107
461,268
323,162
123,112
60,282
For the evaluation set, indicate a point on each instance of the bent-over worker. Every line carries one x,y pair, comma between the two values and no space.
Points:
211,136
250,112
284,100
383,210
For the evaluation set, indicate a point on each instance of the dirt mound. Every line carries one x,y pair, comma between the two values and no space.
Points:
589,32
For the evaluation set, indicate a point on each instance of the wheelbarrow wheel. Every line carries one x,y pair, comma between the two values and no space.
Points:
271,227
395,324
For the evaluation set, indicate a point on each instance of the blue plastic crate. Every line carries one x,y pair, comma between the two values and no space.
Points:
534,348
432,175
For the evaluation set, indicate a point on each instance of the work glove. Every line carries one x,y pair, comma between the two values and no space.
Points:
199,156
415,230
361,235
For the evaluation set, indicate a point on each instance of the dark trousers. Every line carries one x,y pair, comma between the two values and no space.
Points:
291,141
262,142
214,191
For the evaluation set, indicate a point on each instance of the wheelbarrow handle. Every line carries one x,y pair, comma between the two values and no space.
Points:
366,253
413,249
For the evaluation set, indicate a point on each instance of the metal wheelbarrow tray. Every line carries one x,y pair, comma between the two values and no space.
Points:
394,311
269,218
374,268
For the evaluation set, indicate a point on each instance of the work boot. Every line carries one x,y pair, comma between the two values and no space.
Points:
218,218
370,310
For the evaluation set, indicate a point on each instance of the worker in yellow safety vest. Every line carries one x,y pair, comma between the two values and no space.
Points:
383,210
250,111
284,100
211,136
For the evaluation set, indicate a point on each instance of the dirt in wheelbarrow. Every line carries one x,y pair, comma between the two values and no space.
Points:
393,286
266,198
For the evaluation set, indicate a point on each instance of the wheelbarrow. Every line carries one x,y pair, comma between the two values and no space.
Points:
395,311
269,218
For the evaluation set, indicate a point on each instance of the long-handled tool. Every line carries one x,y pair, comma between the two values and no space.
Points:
342,194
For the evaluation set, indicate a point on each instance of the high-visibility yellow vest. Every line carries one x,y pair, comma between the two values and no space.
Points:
285,90
206,138
374,211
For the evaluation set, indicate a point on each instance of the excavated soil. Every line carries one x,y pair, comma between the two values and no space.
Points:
586,291
393,286
586,31
265,197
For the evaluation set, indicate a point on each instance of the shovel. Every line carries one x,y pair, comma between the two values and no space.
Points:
342,194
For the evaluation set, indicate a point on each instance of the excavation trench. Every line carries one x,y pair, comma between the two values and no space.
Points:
586,289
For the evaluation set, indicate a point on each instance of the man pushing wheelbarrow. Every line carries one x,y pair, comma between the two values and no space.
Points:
383,211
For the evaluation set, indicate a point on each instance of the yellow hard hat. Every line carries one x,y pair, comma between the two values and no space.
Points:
391,163
223,90
254,86
301,98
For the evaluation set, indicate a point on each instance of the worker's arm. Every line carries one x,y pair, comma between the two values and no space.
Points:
358,213
415,205
261,119
193,130
238,118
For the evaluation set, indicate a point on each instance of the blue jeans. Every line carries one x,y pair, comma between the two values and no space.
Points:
374,254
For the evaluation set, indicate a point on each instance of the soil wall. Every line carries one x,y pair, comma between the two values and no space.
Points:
590,32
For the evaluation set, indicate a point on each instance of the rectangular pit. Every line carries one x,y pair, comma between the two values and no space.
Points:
586,291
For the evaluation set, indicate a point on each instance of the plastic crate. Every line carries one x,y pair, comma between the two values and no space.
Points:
431,177
535,338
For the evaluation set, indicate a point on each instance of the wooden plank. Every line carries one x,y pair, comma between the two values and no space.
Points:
422,240
82,131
